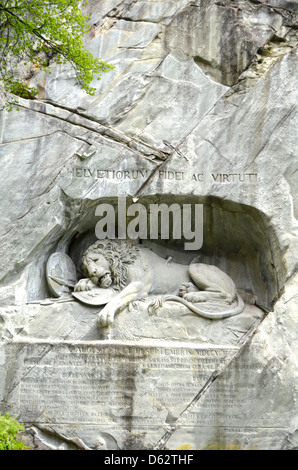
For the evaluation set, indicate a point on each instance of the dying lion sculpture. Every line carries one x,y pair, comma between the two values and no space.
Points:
135,272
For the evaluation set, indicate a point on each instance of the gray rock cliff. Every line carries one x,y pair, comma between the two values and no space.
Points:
201,108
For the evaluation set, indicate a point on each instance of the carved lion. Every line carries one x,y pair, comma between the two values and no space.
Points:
135,272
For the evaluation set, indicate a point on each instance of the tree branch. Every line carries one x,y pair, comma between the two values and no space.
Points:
34,31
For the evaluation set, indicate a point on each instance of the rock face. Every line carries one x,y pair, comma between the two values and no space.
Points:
200,109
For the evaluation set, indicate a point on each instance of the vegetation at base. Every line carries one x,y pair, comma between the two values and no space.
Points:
9,430
37,31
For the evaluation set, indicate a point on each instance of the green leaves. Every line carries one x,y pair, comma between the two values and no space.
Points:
9,429
37,31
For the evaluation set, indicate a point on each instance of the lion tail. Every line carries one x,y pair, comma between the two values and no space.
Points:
205,314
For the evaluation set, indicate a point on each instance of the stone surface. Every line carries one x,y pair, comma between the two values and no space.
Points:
200,109
61,274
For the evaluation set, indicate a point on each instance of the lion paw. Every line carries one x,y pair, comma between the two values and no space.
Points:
194,297
188,297
105,318
185,288
83,285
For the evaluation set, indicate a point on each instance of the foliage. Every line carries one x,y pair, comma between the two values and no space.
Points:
36,31
9,429
22,89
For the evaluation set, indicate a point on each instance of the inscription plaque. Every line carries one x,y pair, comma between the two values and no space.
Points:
121,387
100,378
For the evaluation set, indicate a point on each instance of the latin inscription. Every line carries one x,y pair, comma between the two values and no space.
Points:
110,384
165,175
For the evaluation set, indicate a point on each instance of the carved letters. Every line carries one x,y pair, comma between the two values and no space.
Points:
103,376
166,175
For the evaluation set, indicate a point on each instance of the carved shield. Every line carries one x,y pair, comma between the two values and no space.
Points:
61,274
96,297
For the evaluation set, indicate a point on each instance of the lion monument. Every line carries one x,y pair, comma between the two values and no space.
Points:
133,272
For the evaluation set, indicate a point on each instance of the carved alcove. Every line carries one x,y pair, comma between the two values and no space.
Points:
237,239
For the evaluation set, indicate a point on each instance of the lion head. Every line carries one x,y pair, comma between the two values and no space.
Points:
113,255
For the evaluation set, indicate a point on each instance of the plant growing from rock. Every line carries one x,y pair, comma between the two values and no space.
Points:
36,31
9,431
